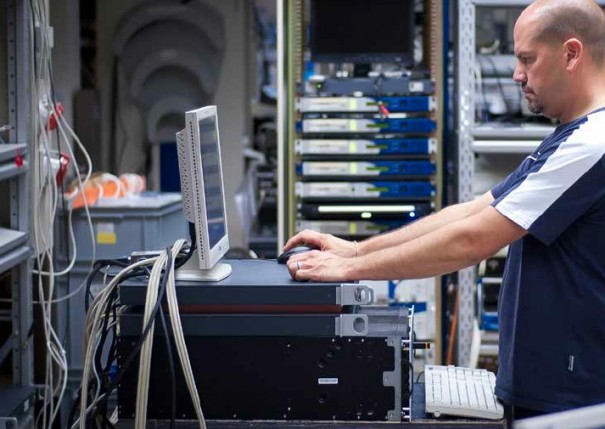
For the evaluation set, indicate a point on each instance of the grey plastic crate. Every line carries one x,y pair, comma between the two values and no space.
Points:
73,313
148,222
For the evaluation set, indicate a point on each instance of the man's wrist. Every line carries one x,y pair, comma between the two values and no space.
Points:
356,247
360,248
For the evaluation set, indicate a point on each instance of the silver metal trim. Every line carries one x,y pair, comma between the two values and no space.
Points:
505,146
19,117
392,379
355,294
466,163
351,325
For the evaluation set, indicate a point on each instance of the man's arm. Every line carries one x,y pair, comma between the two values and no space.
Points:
426,225
340,247
446,249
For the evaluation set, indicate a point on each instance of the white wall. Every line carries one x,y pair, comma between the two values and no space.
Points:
232,97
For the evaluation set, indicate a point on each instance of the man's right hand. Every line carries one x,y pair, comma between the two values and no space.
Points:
324,242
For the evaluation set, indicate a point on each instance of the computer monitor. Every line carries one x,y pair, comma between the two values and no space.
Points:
362,31
592,417
199,156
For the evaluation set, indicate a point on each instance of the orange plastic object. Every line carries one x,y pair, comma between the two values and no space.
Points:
107,186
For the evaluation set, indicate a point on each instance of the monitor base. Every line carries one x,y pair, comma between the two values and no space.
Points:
215,274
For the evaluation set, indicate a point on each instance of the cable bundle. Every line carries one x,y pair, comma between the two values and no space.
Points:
101,321
47,114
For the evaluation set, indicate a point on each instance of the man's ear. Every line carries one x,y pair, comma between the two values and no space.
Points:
574,51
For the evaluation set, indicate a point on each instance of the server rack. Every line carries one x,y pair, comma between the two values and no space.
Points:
339,152
246,334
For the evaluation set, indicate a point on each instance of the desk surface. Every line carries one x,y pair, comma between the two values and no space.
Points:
227,424
254,282
420,420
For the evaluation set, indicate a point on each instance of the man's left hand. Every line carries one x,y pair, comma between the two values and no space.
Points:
321,267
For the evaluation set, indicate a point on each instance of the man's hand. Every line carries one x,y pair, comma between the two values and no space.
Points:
324,242
321,267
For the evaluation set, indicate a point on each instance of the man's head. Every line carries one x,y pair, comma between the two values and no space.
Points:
559,44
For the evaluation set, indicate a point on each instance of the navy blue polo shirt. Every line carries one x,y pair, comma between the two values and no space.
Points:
552,299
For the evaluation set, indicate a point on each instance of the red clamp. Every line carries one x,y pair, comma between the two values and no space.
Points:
19,159
384,111
54,116
62,171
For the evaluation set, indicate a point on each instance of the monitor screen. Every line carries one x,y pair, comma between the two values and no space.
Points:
362,31
213,183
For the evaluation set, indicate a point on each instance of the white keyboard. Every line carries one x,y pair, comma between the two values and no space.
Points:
464,392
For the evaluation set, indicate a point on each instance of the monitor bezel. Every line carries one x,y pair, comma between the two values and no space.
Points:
404,58
208,256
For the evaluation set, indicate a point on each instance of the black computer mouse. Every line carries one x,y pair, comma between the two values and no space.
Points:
283,258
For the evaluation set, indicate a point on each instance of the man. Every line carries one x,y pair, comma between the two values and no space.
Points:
551,210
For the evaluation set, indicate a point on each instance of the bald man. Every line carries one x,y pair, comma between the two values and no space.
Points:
550,210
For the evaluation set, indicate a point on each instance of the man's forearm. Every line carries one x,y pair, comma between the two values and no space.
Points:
457,245
429,255
424,226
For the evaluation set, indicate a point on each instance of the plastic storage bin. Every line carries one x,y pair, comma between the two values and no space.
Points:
121,226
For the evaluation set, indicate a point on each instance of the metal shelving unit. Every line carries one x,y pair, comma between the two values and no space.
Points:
15,252
479,139
504,146
486,139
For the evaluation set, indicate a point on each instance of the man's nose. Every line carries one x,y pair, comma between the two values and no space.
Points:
519,75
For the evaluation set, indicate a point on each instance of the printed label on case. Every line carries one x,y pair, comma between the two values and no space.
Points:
106,233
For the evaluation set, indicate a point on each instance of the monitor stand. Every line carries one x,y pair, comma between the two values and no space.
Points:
191,272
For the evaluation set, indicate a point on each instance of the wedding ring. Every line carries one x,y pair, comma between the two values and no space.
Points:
297,265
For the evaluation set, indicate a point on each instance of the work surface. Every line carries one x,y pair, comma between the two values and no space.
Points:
421,423
256,282
421,420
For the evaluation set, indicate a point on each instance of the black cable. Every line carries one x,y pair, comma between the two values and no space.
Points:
192,246
105,419
418,377
105,387
111,385
156,313
98,266
125,263
103,373
135,351
105,331
74,409
112,354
